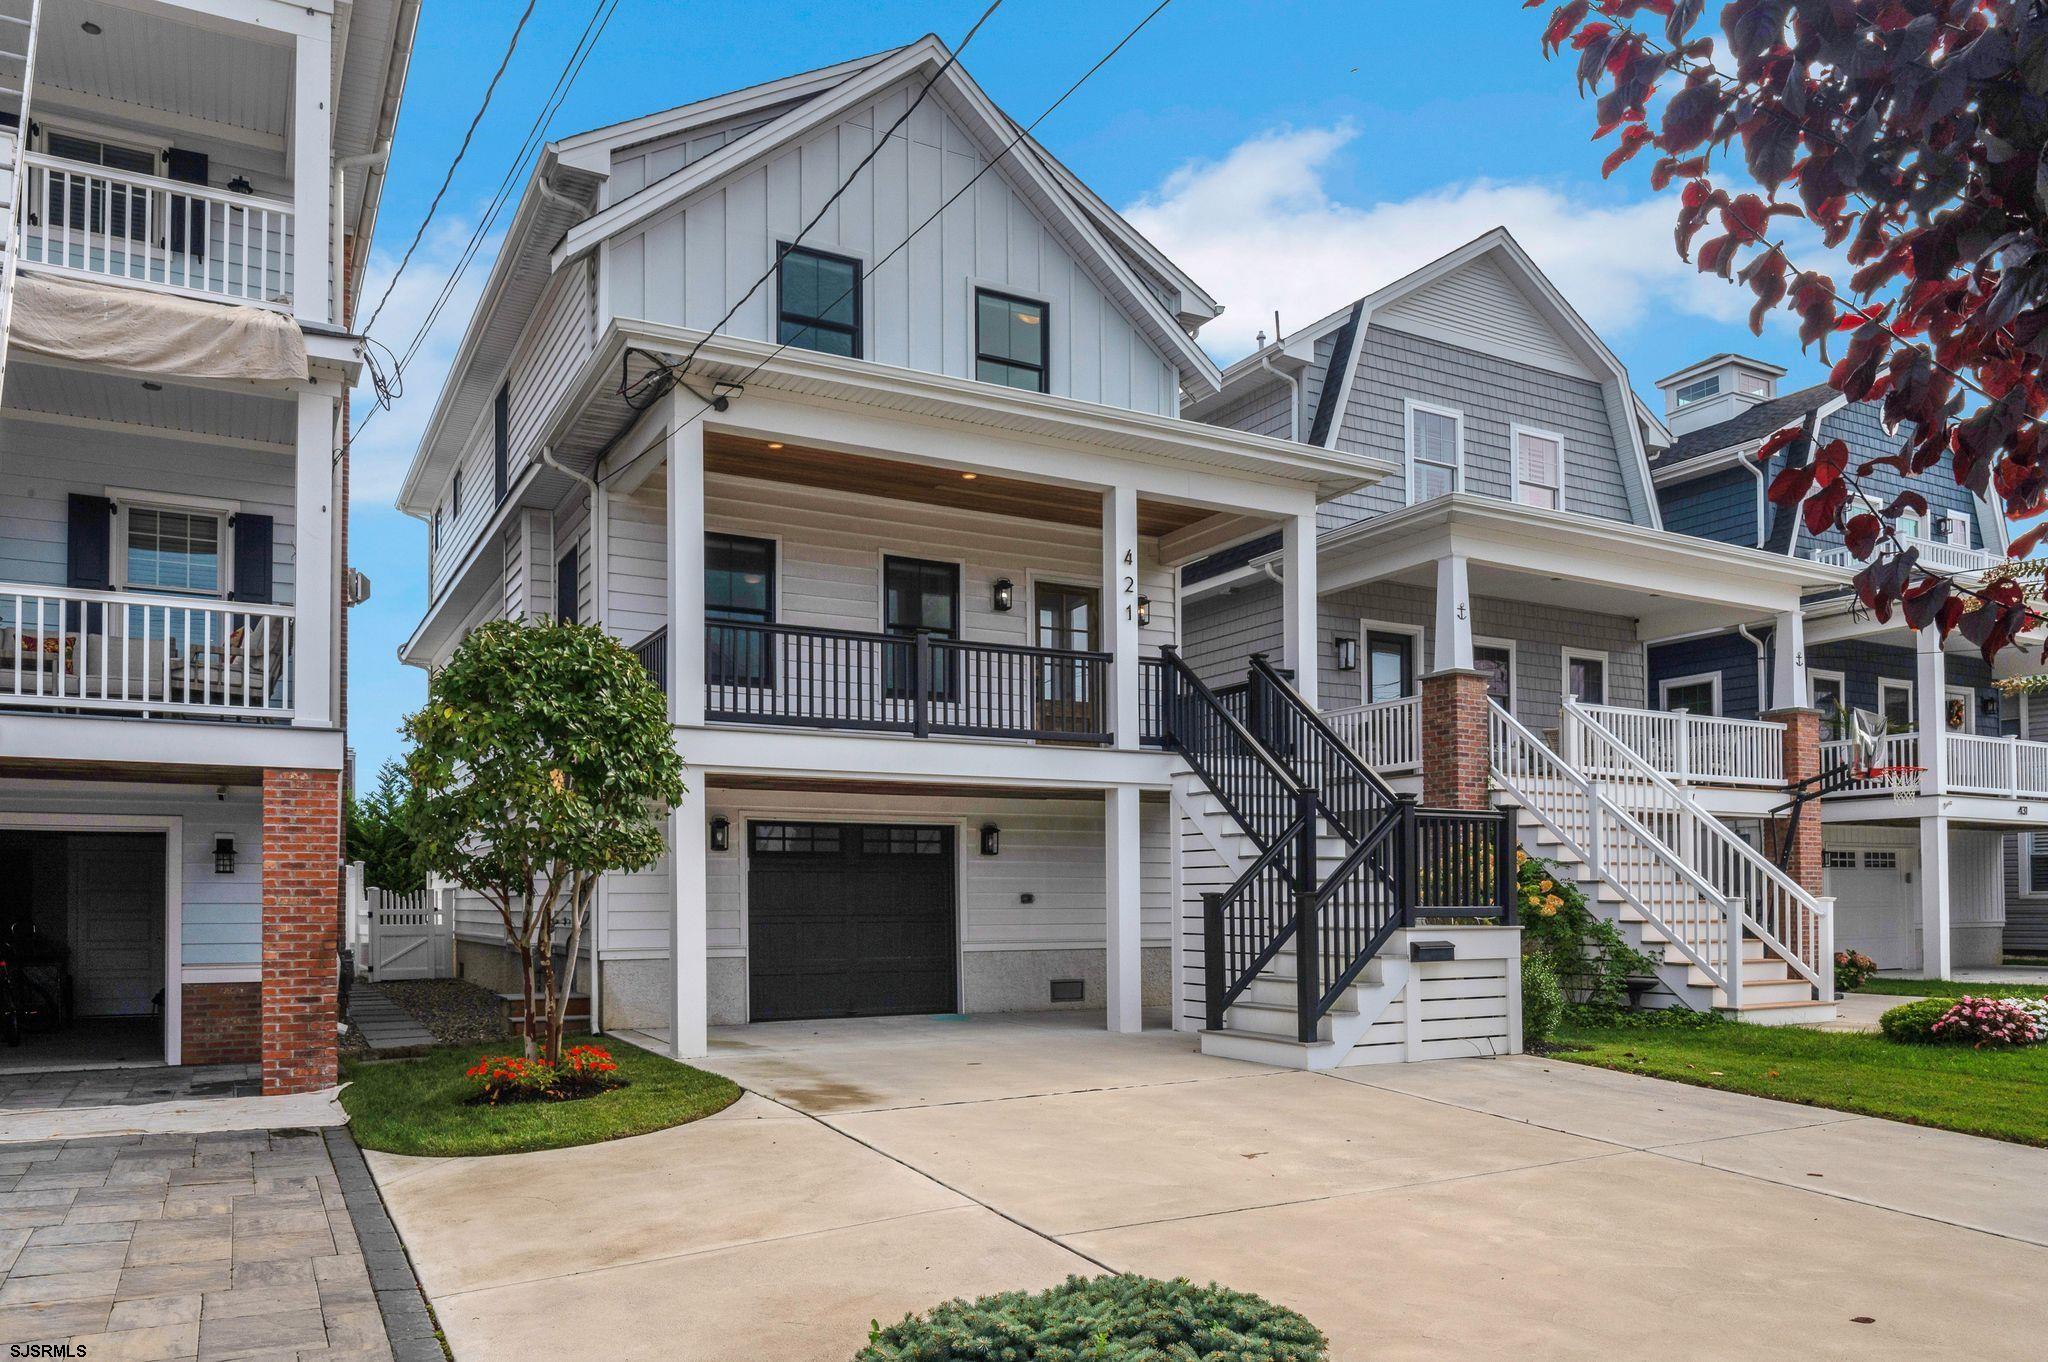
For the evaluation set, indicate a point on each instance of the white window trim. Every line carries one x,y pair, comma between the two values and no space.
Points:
1841,680
1953,522
1420,659
1679,400
1892,683
127,500
1969,698
1606,661
1409,407
1669,683
1516,430
1514,668
2030,886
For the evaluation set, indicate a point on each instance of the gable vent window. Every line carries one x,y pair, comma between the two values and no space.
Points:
1698,391
1539,468
1010,344
1752,385
1435,449
818,302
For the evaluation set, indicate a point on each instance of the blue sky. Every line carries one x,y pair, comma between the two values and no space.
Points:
1292,154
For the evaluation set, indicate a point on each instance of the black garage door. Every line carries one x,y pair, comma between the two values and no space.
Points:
849,920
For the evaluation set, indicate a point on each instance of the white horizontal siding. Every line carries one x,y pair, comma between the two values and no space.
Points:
691,264
1478,306
557,342
47,462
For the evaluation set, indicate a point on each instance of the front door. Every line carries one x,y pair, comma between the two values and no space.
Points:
849,920
919,597
116,922
1389,666
1067,702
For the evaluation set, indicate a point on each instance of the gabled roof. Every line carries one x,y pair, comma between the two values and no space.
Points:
1753,424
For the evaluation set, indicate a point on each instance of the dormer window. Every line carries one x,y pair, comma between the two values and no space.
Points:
1539,468
1436,448
1699,390
1752,385
818,302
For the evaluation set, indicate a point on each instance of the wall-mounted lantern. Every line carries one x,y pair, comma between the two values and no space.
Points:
1144,611
721,834
1003,595
991,839
1347,654
223,855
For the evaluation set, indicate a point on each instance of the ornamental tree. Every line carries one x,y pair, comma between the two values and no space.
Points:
542,758
1909,134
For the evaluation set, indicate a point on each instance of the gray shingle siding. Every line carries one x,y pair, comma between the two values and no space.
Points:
1492,394
1261,409
1219,633
1862,426
1731,656
1718,506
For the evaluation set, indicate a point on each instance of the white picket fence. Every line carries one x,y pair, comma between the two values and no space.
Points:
400,936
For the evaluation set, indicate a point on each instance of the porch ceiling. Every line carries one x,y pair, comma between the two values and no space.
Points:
38,390
831,470
233,82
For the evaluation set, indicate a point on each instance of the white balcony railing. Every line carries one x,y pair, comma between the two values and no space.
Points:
156,233
1996,766
1934,553
1388,734
1894,752
1697,749
73,649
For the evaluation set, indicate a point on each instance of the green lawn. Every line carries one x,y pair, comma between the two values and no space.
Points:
1999,1093
1949,988
416,1106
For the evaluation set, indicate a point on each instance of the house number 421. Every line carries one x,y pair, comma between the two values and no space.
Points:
1130,583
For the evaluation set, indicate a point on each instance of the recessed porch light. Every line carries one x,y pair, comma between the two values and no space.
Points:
969,477
92,28
150,385
775,444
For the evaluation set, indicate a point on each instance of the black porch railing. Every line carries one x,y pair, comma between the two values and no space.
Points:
1401,862
653,654
921,684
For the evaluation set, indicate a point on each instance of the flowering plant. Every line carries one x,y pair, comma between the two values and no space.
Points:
1852,970
584,1070
1988,1022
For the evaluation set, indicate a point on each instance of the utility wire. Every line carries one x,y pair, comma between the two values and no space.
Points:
460,151
675,373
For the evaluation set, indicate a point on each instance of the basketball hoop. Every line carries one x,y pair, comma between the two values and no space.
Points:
1866,737
1902,781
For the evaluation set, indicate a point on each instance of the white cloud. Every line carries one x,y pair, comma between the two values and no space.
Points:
1260,231
383,450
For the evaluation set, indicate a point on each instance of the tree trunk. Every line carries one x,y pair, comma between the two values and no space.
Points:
526,979
579,902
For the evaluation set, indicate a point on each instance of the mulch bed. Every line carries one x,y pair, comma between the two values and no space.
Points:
456,1011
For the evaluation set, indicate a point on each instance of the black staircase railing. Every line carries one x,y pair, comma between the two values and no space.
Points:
1282,774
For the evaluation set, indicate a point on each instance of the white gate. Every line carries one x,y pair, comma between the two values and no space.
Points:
408,933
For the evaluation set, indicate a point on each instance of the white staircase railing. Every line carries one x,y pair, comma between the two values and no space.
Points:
1702,748
1698,920
1793,923
1387,734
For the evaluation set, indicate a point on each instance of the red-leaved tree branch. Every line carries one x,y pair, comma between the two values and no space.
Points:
1911,135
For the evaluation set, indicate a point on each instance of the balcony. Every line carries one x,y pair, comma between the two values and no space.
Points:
2008,768
167,235
1387,734
924,685
1934,553
63,648
1696,749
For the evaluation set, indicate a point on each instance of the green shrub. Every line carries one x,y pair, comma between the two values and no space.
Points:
1645,1019
1913,1024
1588,955
1542,1002
1106,1319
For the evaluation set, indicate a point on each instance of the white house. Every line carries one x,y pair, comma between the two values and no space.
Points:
190,187
896,511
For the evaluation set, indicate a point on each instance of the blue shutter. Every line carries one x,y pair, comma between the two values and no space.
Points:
252,559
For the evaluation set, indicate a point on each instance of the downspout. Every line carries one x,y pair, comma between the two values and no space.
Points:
597,588
1293,384
338,264
1763,503
1762,666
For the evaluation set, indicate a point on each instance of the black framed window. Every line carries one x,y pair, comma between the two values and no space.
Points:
566,587
1389,666
501,438
455,496
434,537
919,597
1010,345
818,301
739,588
1497,665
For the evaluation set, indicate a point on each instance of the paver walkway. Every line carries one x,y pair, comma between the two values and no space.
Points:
1466,1208
66,1088
385,1025
203,1246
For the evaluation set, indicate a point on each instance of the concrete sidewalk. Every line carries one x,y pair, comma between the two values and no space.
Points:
1465,1208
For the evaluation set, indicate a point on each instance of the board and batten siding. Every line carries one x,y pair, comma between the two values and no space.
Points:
689,265
641,164
47,462
1222,631
1492,394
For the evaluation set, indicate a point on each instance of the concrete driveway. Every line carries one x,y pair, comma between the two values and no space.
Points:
1457,1209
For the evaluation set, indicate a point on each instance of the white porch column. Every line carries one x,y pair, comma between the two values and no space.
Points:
1930,692
1125,963
312,173
317,593
1298,601
690,991
1788,662
1453,650
685,568
1120,606
1936,960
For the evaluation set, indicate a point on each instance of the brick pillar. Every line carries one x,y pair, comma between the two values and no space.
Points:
301,882
1802,762
1455,748
221,1024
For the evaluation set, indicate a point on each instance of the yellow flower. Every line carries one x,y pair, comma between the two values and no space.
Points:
1548,885
1549,910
